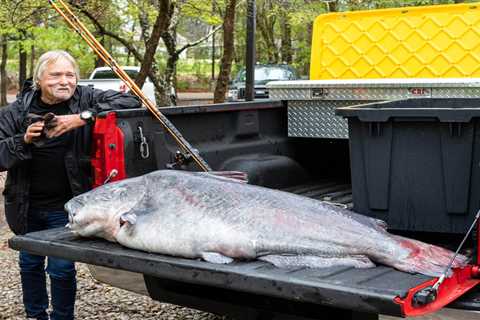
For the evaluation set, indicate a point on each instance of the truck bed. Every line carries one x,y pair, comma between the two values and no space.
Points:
364,290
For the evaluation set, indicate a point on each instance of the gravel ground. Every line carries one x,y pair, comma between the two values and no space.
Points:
98,301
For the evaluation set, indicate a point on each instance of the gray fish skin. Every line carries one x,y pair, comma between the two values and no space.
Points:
200,215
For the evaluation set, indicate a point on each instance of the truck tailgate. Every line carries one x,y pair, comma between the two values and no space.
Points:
368,290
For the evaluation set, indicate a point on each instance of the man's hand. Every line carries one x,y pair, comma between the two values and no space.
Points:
64,124
33,131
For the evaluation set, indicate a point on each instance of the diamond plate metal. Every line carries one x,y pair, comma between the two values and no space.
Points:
455,92
317,119
312,103
289,93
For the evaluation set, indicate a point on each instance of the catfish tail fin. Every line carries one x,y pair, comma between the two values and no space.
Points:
425,258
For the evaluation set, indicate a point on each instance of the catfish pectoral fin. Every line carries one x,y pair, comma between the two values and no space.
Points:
309,261
215,257
128,217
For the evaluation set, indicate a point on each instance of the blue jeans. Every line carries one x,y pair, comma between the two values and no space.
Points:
62,274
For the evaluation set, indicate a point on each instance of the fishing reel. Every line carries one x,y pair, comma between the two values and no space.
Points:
180,161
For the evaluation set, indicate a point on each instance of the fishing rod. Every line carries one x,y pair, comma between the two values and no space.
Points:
97,47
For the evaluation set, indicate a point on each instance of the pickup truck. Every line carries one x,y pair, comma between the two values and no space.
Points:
104,78
252,137
264,73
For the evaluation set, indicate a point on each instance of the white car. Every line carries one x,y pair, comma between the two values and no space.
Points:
105,79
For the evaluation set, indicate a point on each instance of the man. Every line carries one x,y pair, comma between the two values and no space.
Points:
47,163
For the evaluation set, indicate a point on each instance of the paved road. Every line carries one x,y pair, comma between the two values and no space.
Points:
184,98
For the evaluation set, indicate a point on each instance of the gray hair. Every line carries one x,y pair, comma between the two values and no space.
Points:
51,57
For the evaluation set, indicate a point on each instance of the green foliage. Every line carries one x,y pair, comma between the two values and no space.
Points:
195,74
34,22
62,38
205,11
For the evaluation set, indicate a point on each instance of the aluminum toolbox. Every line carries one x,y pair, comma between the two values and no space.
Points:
312,103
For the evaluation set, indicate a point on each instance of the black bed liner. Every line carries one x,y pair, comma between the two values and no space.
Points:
364,290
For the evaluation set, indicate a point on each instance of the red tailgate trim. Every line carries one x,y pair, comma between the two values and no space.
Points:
461,281
108,151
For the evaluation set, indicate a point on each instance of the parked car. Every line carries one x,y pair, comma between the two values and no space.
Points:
264,73
104,78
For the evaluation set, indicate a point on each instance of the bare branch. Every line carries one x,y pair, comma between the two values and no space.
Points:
193,44
112,35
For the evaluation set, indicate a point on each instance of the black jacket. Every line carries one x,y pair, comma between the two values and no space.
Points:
15,154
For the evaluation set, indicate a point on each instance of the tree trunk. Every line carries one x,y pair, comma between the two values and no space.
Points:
22,67
32,61
3,72
169,37
332,6
22,61
228,52
144,25
170,41
161,24
286,49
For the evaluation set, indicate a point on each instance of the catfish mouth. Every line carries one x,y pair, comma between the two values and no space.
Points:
72,207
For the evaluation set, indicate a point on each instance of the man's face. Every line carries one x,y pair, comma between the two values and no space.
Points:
58,82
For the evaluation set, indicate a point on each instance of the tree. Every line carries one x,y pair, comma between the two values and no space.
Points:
17,19
228,49
286,37
150,38
266,20
22,57
3,71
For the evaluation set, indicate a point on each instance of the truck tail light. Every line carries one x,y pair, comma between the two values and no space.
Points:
107,152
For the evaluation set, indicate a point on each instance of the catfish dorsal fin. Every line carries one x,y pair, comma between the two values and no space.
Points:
234,176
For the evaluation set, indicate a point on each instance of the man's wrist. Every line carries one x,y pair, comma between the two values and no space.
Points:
87,116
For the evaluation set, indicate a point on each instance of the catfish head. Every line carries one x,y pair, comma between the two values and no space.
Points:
99,211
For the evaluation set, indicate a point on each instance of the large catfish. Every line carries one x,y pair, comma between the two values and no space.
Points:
218,219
